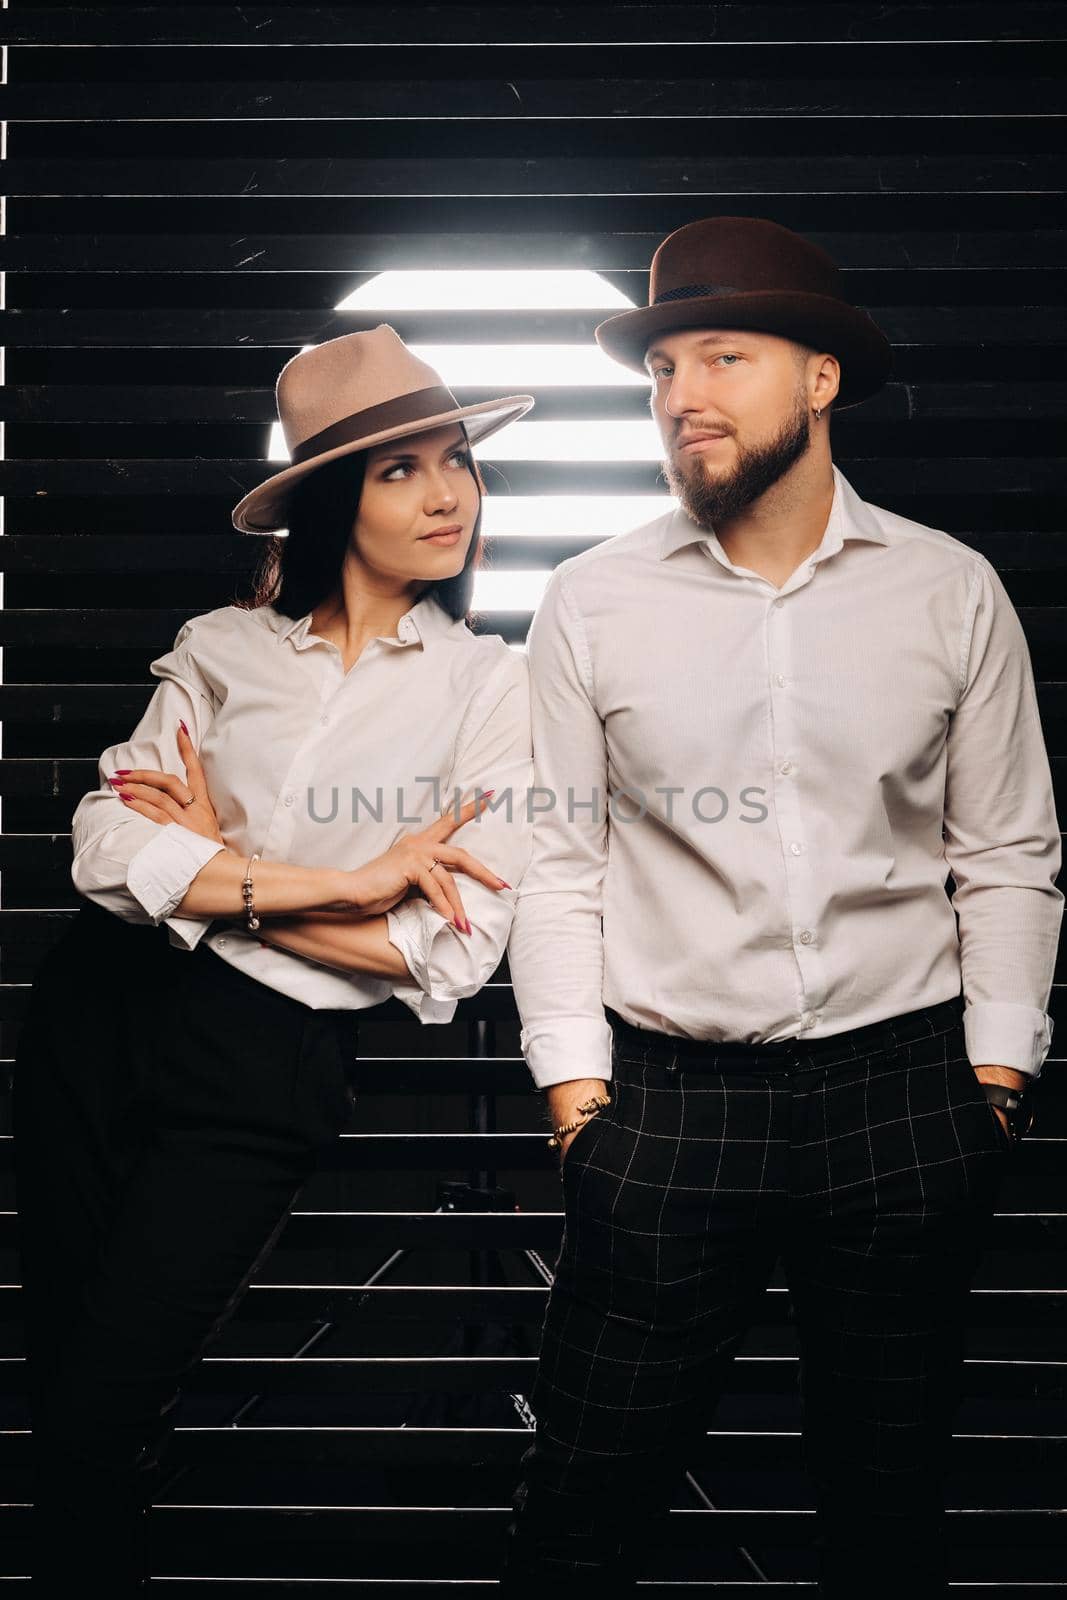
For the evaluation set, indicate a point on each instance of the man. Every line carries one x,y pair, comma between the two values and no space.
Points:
770,722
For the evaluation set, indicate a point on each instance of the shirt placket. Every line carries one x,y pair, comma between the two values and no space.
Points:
325,659
787,770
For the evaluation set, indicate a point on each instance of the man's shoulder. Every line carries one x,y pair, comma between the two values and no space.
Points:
634,545
921,536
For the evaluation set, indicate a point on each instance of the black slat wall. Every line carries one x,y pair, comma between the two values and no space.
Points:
190,191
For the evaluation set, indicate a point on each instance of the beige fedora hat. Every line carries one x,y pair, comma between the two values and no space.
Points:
353,392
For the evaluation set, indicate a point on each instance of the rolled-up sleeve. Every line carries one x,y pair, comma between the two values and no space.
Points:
125,862
1002,839
556,949
493,751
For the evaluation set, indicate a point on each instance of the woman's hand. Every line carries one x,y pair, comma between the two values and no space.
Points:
159,796
383,881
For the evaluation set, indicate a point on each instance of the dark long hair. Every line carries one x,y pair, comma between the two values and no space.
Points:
299,571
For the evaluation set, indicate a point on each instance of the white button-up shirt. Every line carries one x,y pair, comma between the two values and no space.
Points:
309,764
753,796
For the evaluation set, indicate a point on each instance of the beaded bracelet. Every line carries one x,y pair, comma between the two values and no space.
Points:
251,920
590,1109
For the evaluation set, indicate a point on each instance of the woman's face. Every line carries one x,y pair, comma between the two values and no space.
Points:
417,487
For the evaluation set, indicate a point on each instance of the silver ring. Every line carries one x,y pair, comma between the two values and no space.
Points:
434,863
190,800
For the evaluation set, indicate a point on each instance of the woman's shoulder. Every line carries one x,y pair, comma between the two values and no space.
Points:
224,623
496,661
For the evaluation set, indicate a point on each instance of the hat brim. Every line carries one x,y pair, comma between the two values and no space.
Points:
263,509
846,331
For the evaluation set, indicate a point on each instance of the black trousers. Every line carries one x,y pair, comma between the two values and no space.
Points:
167,1110
869,1164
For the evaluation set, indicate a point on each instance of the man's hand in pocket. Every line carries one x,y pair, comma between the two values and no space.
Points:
563,1102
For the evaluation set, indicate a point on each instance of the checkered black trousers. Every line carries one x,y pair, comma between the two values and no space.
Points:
868,1162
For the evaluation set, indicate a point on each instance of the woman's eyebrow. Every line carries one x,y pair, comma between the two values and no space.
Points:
411,455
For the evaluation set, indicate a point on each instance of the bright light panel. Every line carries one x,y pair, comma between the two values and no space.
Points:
509,591
592,516
603,439
521,367
510,289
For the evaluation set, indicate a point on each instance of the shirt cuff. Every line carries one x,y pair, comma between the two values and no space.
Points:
407,930
566,1048
1003,1034
160,872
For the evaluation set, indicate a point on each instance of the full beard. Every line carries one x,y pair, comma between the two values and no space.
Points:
708,498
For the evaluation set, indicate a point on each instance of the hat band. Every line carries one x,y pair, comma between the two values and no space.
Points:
694,291
413,407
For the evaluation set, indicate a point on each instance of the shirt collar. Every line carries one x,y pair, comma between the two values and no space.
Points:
427,619
850,518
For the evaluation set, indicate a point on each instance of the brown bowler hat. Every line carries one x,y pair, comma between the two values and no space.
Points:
748,272
353,392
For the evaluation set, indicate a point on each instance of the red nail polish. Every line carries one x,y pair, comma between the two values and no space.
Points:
122,772
469,928
126,797
504,885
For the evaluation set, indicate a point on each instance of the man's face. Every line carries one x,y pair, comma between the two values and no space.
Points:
747,389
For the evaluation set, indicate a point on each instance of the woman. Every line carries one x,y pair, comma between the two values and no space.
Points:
329,847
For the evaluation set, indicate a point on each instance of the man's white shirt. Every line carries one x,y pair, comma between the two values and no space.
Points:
749,798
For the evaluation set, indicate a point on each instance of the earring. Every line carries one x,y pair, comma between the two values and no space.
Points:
818,413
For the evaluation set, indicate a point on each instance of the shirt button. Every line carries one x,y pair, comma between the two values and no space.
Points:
805,936
786,766
796,848
324,719
808,1018
778,604
779,679
222,941
290,798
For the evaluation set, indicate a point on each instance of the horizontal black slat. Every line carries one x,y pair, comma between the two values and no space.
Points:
485,175
895,99
604,250
932,325
224,480
204,405
243,217
183,1536
1015,1378
568,26
437,139
273,1303
459,1588
877,480
417,1447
